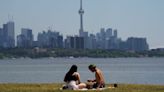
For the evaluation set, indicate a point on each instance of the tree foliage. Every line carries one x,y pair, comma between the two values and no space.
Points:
55,52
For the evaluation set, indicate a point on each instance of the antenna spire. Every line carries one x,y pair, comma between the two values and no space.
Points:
81,4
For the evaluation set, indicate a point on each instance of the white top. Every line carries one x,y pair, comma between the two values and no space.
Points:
72,85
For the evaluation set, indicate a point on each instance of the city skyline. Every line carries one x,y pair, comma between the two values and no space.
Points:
139,18
106,39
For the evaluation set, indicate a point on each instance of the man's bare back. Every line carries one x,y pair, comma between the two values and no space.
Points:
99,76
98,82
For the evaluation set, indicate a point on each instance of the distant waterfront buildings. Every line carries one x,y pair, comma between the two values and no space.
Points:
7,35
137,44
92,42
1,37
50,39
25,39
108,32
106,39
158,50
74,42
115,33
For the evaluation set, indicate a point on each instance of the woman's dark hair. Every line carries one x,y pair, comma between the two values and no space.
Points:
69,75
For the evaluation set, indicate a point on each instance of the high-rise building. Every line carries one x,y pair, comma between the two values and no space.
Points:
25,39
42,39
86,40
1,37
21,43
137,44
75,42
1,32
106,39
60,41
9,35
115,33
123,45
69,42
79,42
5,34
50,39
27,33
102,33
109,33
92,41
113,43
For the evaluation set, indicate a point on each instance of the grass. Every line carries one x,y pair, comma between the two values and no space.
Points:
55,88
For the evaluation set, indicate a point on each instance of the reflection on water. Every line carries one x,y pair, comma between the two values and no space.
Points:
50,70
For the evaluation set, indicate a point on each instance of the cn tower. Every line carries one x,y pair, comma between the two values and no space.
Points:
81,12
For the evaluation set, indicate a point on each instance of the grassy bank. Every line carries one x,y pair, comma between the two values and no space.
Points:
56,52
55,88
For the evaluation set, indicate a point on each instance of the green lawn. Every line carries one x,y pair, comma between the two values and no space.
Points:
55,88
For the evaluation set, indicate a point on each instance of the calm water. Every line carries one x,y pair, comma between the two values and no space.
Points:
50,70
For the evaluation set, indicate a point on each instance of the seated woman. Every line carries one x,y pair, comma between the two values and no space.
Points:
72,79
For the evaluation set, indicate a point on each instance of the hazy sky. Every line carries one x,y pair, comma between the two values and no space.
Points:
137,18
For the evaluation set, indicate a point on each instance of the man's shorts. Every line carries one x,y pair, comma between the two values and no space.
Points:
95,85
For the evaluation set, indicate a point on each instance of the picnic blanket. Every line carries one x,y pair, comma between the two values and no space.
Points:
85,89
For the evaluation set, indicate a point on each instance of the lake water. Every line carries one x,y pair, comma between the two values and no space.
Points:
52,70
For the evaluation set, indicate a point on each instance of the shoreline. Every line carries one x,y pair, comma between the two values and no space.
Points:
6,58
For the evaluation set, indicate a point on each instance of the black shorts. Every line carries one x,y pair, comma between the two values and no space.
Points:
95,85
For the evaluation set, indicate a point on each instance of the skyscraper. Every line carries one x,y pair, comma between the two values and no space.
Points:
69,42
81,12
27,33
137,44
9,35
74,42
115,33
109,33
25,39
50,39
21,43
1,37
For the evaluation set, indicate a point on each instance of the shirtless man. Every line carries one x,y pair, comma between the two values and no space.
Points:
98,82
